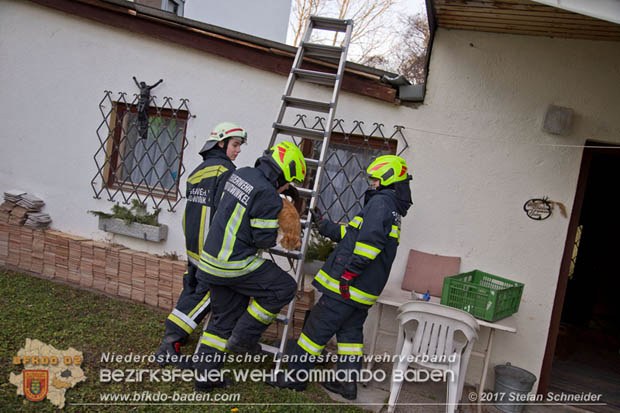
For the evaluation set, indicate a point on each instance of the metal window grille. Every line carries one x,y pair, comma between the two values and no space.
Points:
344,181
349,153
130,166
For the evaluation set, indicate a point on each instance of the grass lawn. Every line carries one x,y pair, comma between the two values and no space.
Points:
65,317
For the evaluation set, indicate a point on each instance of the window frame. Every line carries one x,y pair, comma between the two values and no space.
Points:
339,138
113,152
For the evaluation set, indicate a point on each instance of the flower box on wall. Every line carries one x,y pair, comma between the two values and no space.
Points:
141,231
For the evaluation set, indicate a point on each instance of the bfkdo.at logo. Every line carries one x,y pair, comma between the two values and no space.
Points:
35,384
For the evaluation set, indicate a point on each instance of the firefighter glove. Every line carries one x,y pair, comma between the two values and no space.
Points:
345,280
316,216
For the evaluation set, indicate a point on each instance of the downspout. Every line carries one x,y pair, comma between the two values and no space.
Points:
432,28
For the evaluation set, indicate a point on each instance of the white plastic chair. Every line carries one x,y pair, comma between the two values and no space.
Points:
429,329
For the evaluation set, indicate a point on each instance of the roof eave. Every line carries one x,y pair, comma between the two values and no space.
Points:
259,53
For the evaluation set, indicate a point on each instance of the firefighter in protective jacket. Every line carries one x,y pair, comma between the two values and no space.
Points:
204,186
245,221
354,276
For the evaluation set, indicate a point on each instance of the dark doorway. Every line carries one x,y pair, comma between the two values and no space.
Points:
587,353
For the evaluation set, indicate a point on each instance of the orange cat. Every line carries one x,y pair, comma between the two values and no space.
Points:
290,226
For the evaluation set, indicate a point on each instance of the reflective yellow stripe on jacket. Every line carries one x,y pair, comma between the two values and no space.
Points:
208,172
366,250
357,222
228,269
230,235
201,234
264,223
395,233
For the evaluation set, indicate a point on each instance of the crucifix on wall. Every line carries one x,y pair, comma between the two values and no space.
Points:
143,106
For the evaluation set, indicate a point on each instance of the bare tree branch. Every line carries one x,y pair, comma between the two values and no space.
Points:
379,38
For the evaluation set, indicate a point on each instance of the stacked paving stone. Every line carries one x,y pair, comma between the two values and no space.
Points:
108,268
111,269
20,208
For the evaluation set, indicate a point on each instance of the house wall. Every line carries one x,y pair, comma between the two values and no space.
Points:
478,154
477,151
50,121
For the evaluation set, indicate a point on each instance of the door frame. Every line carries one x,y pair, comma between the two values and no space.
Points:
560,291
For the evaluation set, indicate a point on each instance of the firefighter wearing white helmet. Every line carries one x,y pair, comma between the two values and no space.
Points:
204,186
222,133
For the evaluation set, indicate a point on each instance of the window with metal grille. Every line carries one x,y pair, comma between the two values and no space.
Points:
141,157
344,182
151,164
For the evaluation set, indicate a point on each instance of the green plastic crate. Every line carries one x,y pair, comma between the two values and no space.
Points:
485,296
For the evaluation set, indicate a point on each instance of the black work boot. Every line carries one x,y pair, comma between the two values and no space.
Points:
238,345
169,352
285,382
347,389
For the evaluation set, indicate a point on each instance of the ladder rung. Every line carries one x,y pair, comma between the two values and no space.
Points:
269,349
284,253
320,78
321,51
303,222
282,318
311,162
305,192
307,104
299,132
327,23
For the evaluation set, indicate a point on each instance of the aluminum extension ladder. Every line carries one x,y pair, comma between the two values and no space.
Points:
335,55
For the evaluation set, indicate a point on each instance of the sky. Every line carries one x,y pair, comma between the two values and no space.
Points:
404,7
390,24
412,6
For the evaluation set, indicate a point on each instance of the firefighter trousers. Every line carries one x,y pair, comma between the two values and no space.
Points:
233,312
328,317
192,306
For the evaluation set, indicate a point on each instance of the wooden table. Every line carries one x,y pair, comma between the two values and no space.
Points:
396,299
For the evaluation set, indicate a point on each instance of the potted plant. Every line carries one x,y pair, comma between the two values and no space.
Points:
134,221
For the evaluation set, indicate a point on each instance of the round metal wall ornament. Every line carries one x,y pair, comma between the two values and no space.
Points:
538,208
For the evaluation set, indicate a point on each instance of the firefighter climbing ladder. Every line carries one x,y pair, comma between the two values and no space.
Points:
336,55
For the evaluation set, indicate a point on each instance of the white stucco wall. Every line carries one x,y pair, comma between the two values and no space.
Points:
477,150
268,19
479,153
55,72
